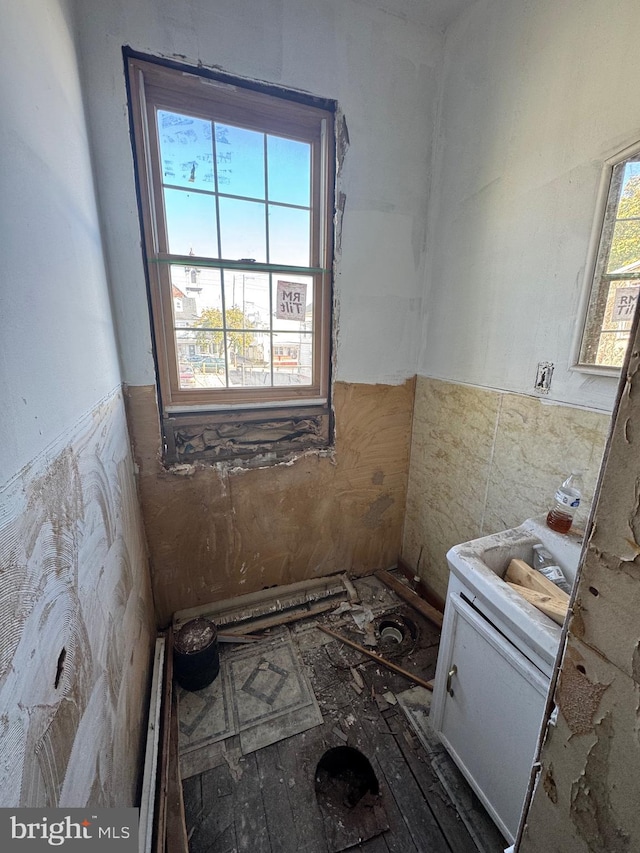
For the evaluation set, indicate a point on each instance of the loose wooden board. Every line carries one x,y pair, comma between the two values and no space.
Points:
521,573
547,604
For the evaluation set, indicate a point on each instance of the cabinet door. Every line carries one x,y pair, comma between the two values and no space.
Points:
490,713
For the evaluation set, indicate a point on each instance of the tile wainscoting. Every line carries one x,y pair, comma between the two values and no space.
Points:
484,461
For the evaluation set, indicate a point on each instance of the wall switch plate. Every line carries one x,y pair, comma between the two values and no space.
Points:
543,377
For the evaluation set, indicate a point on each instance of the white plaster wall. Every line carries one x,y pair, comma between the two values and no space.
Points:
57,346
382,68
535,96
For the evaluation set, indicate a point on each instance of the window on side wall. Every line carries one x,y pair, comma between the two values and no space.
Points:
614,268
236,199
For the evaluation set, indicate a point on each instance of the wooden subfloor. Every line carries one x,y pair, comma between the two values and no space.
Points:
265,802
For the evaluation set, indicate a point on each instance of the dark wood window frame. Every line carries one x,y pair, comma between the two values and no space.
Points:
242,421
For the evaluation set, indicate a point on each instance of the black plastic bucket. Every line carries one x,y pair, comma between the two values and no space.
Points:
196,661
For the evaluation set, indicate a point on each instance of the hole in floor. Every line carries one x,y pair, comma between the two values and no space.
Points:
344,775
348,794
396,634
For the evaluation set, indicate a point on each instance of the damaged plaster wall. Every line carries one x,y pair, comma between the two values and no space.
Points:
218,532
588,786
76,616
76,625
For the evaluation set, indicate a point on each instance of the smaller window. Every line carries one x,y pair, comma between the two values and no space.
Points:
614,271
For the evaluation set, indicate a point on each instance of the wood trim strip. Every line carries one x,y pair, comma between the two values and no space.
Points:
411,598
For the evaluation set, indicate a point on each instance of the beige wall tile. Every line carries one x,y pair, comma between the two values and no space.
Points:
484,461
453,434
537,446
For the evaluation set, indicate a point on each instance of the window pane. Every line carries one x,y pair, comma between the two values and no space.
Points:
289,237
612,302
196,307
191,223
240,161
201,285
616,323
242,230
246,297
625,247
186,151
292,354
249,359
289,169
208,361
293,303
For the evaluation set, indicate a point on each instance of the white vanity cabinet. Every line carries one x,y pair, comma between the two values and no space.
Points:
495,662
487,709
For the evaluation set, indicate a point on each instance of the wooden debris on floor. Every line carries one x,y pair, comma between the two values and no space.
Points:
266,801
389,664
411,597
276,606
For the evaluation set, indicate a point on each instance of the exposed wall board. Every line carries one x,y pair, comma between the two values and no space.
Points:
217,531
76,626
482,461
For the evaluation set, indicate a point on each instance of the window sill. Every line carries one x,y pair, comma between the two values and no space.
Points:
597,370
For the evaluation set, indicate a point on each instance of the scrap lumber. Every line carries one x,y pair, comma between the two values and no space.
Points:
521,573
548,604
374,656
411,598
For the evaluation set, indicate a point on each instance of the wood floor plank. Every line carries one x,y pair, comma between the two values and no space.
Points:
265,802
298,756
441,806
280,818
252,833
373,845
373,745
421,826
215,832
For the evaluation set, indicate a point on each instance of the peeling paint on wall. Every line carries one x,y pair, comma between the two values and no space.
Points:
591,810
577,696
76,622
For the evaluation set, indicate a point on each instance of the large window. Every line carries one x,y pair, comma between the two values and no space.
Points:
236,192
614,269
